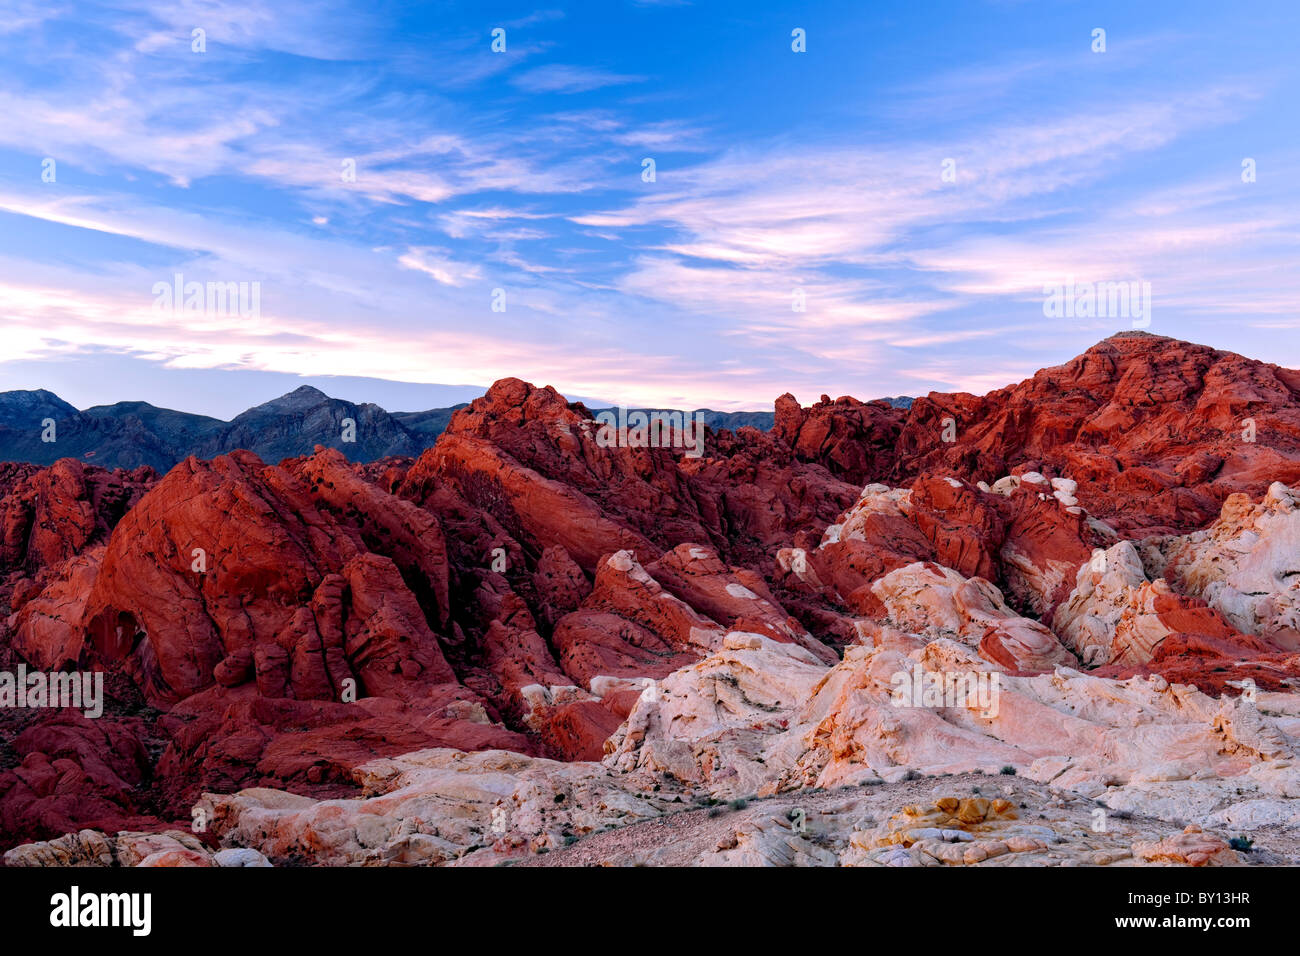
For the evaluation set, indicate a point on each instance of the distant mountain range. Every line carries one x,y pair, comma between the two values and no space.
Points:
130,434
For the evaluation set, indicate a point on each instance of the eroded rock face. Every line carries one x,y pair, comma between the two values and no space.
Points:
282,616
929,597
1117,616
1192,847
1156,432
968,831
708,725
1141,742
74,772
432,807
54,523
638,625
766,719
1212,608
854,440
1022,537
129,848
227,739
47,625
345,663
1245,565
197,573
50,514
736,598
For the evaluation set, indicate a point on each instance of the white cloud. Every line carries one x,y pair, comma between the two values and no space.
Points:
560,78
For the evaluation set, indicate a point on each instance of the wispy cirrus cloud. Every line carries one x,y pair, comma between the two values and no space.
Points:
776,175
438,264
563,78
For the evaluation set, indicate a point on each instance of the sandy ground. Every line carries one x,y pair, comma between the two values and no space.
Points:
682,838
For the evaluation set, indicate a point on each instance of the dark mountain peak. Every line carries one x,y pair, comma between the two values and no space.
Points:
36,401
124,408
302,398
148,412
132,433
302,395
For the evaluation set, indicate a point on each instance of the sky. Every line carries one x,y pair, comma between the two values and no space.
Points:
919,174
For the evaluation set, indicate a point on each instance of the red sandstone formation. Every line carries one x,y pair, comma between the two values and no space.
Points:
1156,432
521,587
854,440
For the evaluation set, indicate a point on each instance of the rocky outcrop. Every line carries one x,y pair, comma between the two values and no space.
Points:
928,598
783,723
198,564
435,806
283,617
765,720
1211,608
529,638
1020,536
1246,565
1156,432
49,515
75,773
854,440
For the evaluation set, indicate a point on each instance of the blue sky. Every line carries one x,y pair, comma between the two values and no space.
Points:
522,171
